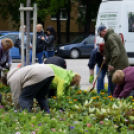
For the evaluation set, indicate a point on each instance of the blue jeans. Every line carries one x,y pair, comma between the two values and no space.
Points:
39,56
49,54
100,80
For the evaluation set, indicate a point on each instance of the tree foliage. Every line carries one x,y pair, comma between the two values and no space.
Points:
10,8
91,10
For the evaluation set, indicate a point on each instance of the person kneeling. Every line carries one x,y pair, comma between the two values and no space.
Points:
125,82
27,83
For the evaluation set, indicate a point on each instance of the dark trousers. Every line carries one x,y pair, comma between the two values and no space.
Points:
38,91
52,92
111,84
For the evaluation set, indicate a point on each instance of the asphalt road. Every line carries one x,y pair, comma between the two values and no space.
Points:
78,66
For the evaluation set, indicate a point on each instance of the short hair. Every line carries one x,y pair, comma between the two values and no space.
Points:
118,77
8,43
41,26
76,80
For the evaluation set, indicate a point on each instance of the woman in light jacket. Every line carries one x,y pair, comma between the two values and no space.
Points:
49,42
29,82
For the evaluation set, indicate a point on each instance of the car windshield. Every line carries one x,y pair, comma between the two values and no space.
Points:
10,36
89,40
78,40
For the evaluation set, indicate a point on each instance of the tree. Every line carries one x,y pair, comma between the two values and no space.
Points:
58,27
90,13
68,21
11,8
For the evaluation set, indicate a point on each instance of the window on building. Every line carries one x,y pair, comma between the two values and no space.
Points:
82,11
63,15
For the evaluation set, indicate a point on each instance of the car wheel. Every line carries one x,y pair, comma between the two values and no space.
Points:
74,53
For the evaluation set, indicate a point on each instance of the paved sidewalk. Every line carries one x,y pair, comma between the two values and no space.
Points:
77,65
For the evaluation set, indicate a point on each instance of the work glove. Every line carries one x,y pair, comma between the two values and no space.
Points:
91,78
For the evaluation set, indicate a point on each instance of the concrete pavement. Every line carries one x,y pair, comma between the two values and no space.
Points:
78,66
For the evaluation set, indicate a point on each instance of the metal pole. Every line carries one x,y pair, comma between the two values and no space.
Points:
22,35
28,33
34,33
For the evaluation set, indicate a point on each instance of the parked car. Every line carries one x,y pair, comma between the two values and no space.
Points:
14,51
4,33
80,47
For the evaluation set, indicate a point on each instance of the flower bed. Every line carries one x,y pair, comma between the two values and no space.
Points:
83,113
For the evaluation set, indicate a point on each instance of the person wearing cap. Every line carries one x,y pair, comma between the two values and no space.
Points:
96,58
114,52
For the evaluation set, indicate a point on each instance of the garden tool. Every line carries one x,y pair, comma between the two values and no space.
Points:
97,77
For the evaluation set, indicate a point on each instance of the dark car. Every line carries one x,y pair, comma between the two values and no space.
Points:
80,47
14,51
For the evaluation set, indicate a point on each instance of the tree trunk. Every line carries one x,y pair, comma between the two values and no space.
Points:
58,27
88,18
68,22
28,16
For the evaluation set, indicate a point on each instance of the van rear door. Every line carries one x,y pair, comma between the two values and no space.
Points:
129,30
109,15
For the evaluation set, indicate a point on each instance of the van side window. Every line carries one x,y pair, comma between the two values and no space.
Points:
130,22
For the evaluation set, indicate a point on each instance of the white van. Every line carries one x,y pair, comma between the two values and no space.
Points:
119,15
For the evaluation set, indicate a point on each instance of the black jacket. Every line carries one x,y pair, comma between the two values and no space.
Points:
39,42
49,43
96,58
56,61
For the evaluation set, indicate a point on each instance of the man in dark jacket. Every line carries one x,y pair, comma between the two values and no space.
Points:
114,52
96,58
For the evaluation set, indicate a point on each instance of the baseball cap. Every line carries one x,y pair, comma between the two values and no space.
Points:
101,28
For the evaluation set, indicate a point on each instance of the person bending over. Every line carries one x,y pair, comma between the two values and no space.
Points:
27,83
63,80
125,82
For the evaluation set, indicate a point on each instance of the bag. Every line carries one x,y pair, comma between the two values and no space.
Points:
17,43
